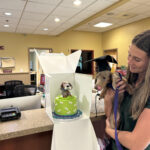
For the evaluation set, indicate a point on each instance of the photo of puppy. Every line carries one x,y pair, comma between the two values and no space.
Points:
105,80
65,89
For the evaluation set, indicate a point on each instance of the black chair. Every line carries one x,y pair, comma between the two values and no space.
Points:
9,87
24,90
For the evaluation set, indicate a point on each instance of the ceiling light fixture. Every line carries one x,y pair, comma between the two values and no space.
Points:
110,13
102,24
77,2
57,19
45,29
6,25
8,13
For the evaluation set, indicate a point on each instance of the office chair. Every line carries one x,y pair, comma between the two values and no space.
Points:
30,90
24,90
9,87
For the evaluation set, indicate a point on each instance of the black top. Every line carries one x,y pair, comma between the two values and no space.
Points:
126,122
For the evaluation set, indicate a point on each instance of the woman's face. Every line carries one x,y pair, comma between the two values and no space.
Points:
137,60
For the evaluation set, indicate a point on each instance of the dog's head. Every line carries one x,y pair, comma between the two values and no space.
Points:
102,79
66,86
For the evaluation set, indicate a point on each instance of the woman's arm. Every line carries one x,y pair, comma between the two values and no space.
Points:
139,138
125,137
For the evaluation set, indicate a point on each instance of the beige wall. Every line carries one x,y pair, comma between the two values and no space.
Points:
16,45
121,38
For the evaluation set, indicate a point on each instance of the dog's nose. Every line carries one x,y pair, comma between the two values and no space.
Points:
98,88
67,85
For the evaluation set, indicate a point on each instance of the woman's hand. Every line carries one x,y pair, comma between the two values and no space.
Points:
107,126
121,84
109,130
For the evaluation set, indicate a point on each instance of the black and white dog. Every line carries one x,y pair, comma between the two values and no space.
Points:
65,88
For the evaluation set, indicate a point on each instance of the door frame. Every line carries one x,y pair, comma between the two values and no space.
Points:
111,50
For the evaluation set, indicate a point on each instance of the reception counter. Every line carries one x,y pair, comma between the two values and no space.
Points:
34,131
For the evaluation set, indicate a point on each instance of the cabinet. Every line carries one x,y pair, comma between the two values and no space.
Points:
34,131
38,141
42,141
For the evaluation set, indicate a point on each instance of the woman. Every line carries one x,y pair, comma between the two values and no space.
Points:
134,128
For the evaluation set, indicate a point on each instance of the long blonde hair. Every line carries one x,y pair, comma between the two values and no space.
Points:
141,94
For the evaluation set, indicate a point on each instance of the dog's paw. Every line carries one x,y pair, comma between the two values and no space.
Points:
115,78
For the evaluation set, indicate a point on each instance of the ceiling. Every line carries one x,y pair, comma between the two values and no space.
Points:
31,16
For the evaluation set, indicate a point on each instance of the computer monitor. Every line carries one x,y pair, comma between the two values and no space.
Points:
23,103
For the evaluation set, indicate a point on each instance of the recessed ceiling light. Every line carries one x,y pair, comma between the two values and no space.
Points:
45,29
57,19
77,2
8,13
110,13
102,24
6,25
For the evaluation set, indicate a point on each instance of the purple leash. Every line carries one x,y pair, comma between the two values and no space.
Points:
115,115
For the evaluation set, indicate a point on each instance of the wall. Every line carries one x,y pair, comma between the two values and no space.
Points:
24,77
16,45
121,38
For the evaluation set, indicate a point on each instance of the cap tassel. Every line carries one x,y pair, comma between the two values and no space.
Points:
113,69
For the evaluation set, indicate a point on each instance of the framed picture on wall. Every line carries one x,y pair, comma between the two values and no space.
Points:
7,62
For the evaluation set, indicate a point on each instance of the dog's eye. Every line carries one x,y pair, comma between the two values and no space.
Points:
104,78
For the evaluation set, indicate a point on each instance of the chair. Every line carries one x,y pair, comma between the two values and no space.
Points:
9,87
24,90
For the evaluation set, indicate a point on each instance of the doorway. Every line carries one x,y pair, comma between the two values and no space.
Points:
85,68
113,53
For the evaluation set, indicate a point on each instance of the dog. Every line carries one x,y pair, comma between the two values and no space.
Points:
65,89
105,80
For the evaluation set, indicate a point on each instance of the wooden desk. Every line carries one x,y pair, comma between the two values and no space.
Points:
34,131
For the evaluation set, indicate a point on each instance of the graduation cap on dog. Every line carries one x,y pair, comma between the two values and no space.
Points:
102,63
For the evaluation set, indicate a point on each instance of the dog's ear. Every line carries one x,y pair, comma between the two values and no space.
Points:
111,77
62,86
95,80
70,85
115,77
